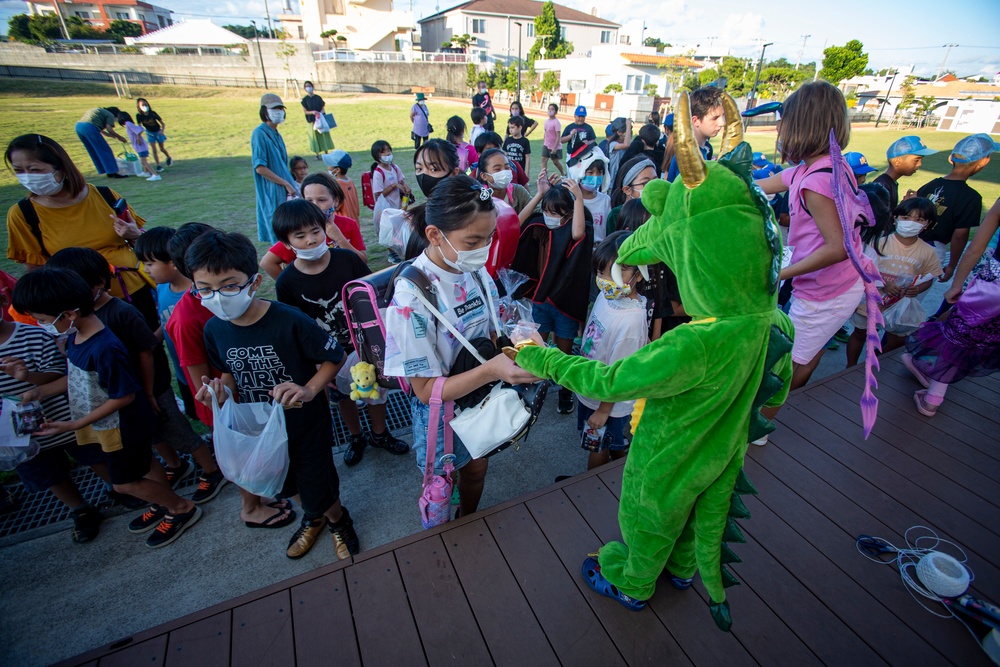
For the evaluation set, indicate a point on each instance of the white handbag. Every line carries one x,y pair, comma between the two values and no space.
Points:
505,415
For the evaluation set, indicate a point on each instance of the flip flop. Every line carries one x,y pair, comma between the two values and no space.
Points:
282,504
592,575
273,521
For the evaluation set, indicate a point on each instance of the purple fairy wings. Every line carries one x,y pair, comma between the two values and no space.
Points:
853,204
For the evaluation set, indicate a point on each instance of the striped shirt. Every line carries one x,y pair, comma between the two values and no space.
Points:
38,350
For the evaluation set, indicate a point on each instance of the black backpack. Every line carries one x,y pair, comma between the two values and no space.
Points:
34,224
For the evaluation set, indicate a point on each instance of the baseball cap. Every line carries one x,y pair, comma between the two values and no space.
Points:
973,148
668,122
759,160
609,130
908,146
580,111
338,158
271,101
859,163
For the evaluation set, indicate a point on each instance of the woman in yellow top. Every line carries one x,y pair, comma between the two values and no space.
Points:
68,213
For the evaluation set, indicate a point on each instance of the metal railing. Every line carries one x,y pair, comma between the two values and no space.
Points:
350,55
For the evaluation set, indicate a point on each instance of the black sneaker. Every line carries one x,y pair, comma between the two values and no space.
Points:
125,500
147,520
171,528
170,161
209,487
565,406
86,523
345,540
356,450
177,475
117,175
388,442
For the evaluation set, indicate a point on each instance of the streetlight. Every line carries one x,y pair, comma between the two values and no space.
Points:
753,92
518,24
256,34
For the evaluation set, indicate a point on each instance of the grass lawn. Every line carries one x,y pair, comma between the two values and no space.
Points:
209,136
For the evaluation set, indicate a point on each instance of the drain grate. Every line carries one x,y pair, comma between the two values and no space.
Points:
37,511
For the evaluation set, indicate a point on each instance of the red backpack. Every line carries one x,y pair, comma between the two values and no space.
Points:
367,194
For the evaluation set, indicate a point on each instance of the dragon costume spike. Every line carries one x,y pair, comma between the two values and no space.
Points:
720,614
728,555
732,532
744,486
729,579
737,508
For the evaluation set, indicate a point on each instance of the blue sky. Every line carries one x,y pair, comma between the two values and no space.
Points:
894,33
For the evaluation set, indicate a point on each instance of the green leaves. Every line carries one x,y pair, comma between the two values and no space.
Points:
843,62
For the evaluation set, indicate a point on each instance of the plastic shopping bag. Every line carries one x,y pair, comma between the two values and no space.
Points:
394,230
16,445
904,317
251,444
321,124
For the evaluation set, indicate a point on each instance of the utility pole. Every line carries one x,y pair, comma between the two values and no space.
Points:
799,59
62,21
753,92
518,24
820,63
270,28
946,54
882,108
260,55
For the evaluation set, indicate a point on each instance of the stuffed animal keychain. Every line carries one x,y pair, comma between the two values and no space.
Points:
364,384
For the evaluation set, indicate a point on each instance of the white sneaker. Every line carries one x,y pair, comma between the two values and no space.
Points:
760,442
155,177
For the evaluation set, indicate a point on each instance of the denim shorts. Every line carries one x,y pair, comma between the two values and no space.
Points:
52,466
549,319
421,419
614,431
143,153
155,137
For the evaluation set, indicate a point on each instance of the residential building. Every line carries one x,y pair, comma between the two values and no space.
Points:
631,67
945,91
493,26
100,13
362,25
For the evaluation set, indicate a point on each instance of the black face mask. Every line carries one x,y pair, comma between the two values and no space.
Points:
427,183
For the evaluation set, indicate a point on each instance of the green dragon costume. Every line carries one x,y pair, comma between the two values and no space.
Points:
703,383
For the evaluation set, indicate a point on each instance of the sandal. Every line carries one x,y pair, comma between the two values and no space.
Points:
592,575
279,520
281,504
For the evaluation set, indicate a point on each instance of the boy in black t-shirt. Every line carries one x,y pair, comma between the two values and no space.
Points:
517,147
578,133
959,207
905,157
107,405
269,351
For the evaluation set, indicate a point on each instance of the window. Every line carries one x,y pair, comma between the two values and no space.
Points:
83,15
163,21
625,39
478,26
142,17
633,83
562,32
301,32
605,37
531,30
121,15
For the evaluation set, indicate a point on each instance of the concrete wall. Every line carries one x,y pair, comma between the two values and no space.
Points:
240,70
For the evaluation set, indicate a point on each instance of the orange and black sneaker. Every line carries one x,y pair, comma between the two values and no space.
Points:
148,520
209,486
177,475
172,526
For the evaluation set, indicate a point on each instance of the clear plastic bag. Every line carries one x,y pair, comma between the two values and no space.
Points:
394,230
904,317
251,444
513,312
15,447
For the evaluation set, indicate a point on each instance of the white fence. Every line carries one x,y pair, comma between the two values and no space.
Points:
348,55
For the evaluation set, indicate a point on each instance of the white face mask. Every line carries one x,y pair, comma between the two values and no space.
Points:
502,179
40,184
230,308
908,228
50,328
277,116
469,261
483,90
144,108
311,254
552,221
309,89
386,159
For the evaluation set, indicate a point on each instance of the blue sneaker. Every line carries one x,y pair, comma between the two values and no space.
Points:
592,575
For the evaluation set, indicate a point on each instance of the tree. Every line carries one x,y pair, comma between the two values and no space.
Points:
18,29
550,82
613,88
286,52
248,32
547,24
657,42
738,75
909,94
121,29
650,89
843,62
923,107
511,83
498,77
45,27
471,75
462,42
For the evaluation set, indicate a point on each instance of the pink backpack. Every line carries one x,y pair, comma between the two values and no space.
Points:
435,500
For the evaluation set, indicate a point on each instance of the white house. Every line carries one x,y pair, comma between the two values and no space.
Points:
631,67
945,91
365,25
493,26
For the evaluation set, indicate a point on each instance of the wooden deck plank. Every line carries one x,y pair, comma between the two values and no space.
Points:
262,632
386,630
641,638
573,631
760,630
447,627
838,544
149,652
202,644
959,392
505,618
910,466
991,382
321,617
979,472
970,533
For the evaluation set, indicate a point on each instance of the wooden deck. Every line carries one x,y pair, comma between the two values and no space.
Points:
503,586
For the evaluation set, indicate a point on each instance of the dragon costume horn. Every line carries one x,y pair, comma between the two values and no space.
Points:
689,158
732,134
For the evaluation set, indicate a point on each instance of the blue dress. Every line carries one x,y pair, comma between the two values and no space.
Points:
267,149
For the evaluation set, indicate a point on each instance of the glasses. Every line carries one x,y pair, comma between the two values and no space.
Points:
204,293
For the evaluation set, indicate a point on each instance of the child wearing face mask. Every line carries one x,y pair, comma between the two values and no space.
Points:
494,171
338,163
457,223
593,184
388,181
155,128
902,259
616,328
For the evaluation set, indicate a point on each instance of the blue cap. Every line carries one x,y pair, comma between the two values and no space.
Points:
580,111
338,158
759,160
668,122
908,146
859,163
609,130
974,148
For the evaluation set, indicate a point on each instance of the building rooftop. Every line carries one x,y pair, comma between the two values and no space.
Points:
192,33
522,9
649,59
